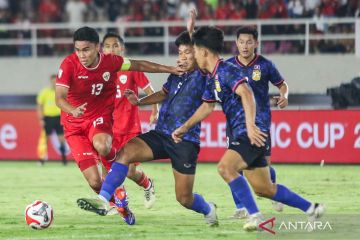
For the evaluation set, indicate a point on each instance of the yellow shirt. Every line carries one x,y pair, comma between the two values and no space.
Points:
46,98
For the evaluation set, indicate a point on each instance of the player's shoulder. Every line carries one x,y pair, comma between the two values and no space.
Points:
263,60
231,60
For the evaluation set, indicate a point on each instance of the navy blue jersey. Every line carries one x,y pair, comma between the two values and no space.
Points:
184,97
260,72
221,88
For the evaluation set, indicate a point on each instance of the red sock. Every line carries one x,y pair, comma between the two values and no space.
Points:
143,181
112,155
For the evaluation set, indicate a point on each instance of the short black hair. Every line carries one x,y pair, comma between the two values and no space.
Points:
211,38
247,30
87,34
114,35
183,39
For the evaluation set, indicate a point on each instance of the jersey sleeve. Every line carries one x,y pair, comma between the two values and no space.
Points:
118,62
208,95
65,74
234,78
167,86
275,76
141,80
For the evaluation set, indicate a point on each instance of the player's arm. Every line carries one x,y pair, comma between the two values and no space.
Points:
248,101
282,100
155,107
147,66
200,114
154,98
61,93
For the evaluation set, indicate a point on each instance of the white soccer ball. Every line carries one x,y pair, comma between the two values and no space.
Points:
39,215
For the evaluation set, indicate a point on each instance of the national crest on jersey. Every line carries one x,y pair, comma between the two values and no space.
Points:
106,76
260,72
123,78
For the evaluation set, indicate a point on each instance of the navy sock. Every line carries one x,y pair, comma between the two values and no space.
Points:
272,174
286,196
115,178
237,201
241,190
200,205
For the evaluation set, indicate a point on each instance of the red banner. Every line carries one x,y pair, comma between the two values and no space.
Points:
299,136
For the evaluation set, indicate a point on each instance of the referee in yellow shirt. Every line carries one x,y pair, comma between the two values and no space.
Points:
49,116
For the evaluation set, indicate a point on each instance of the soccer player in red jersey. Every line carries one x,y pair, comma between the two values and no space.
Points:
85,92
126,116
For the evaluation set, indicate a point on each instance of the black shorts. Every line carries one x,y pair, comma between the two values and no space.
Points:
53,124
267,143
254,156
183,155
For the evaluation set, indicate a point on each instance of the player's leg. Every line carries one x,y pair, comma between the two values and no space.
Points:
60,133
135,174
183,157
140,149
260,180
278,206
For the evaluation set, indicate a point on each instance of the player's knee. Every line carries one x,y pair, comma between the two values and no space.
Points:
102,148
184,199
226,172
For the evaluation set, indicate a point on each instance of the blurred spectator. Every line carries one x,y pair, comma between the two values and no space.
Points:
251,8
296,8
184,8
50,11
75,11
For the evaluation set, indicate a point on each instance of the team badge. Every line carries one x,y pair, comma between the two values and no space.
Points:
123,79
106,76
217,84
256,74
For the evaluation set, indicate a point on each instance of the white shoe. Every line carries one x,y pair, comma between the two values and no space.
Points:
240,213
149,195
211,218
317,211
112,210
277,206
253,222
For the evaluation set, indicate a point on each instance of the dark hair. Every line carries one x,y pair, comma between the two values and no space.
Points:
211,38
183,39
114,35
247,30
86,34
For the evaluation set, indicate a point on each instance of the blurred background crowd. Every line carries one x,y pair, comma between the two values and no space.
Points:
26,12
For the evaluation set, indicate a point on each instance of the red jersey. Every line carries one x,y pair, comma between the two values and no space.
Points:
94,86
125,115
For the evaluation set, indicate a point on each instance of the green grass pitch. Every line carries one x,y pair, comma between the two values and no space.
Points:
23,182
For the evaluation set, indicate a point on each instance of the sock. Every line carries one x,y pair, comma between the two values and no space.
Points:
115,178
272,174
143,181
200,205
237,201
241,190
112,155
286,196
62,151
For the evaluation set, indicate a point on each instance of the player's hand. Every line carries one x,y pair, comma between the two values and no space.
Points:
256,136
179,133
131,97
177,70
191,21
79,111
281,101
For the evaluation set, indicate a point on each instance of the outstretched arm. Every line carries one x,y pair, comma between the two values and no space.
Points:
147,66
155,107
154,98
201,113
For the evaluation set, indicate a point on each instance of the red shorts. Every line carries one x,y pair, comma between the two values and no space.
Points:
79,137
119,141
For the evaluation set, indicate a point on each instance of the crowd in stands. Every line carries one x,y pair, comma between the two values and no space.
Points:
82,11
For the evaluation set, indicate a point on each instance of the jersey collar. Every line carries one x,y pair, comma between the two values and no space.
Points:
216,67
249,64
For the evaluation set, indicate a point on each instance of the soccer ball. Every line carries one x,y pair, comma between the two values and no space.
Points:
39,215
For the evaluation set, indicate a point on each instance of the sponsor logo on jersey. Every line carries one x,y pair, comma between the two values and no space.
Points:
123,79
83,77
106,76
256,74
